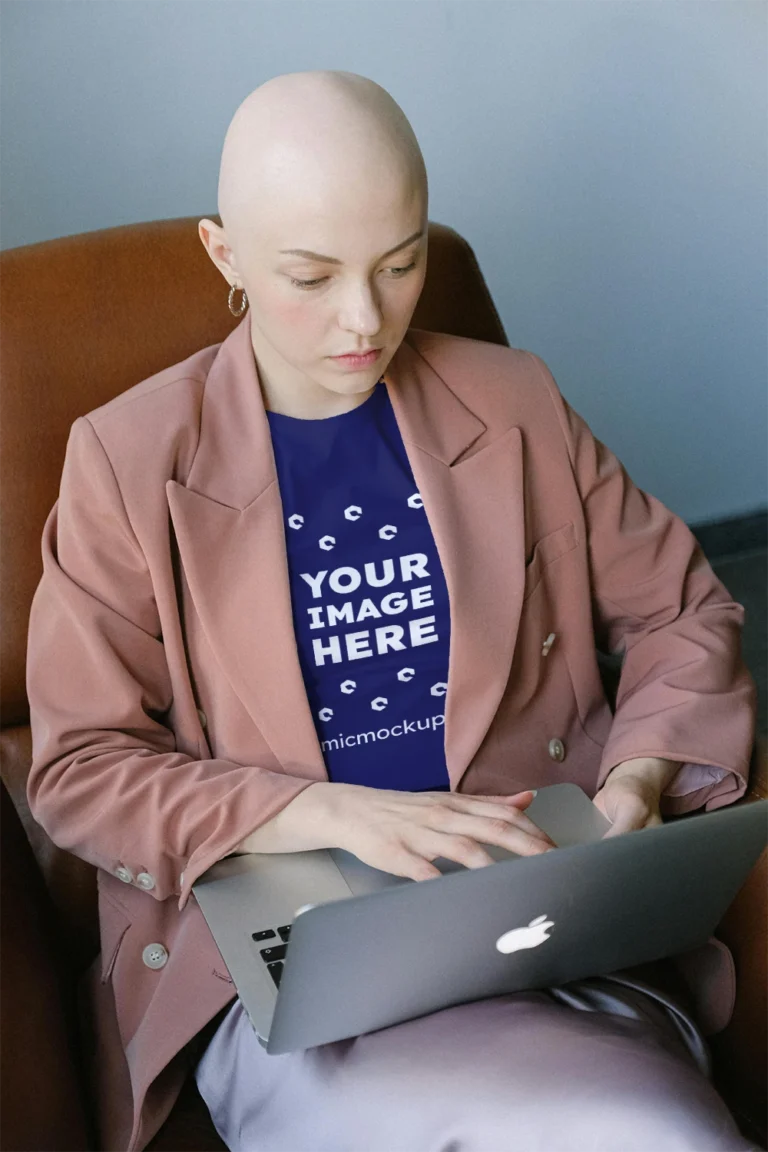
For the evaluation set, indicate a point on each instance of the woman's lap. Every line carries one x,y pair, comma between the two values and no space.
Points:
524,1072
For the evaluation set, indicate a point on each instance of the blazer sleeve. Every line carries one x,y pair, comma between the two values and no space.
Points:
107,782
685,693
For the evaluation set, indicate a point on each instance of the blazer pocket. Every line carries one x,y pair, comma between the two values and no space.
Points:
114,922
546,550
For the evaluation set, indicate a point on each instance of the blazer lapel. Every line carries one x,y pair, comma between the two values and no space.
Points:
228,519
472,487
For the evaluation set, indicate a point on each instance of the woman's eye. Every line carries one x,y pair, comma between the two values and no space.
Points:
306,283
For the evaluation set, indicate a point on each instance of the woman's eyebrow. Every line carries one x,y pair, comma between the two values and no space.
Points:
332,259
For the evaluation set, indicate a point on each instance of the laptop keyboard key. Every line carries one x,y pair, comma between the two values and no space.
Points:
285,932
275,971
277,953
267,934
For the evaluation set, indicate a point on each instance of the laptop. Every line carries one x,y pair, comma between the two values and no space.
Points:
322,947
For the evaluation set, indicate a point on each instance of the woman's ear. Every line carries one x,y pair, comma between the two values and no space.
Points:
214,240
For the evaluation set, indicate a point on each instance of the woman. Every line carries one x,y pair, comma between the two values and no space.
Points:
264,558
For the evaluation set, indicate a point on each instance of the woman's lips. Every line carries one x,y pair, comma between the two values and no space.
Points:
358,361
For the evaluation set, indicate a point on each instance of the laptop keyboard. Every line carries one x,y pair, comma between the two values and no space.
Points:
274,955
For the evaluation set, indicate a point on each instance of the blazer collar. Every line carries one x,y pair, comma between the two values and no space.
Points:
228,521
234,462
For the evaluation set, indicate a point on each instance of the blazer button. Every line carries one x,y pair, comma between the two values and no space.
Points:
155,956
556,750
146,881
548,644
124,874
202,718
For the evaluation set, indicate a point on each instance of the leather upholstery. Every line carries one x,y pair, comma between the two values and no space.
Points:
71,311
740,1052
41,1101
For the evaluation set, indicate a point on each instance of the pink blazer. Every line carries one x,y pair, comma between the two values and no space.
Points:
168,710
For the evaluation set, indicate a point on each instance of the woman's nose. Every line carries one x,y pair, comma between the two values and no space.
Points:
360,312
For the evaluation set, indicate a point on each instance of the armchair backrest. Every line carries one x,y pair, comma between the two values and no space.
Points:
83,319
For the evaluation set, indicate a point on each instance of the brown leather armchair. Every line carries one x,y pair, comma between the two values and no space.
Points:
83,319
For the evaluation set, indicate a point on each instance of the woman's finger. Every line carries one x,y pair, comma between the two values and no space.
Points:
627,815
515,799
510,813
499,830
517,803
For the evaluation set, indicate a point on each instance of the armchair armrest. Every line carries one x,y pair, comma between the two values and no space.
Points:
758,777
39,1084
740,1051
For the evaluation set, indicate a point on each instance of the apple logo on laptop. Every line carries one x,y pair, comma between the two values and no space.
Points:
529,937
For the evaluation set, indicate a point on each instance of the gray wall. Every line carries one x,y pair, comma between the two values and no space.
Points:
607,162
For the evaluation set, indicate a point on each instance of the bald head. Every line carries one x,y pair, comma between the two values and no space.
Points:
323,201
316,140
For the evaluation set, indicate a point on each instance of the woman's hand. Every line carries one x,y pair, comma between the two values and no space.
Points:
631,794
400,832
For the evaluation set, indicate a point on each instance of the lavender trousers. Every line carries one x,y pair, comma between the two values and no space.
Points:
608,1064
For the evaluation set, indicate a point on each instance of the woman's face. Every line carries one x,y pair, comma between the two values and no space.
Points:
358,291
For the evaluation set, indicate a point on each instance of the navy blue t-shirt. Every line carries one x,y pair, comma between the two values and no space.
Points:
369,599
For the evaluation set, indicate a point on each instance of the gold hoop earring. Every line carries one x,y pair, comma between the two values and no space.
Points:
243,304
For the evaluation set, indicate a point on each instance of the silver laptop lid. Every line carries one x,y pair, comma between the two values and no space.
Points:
533,922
